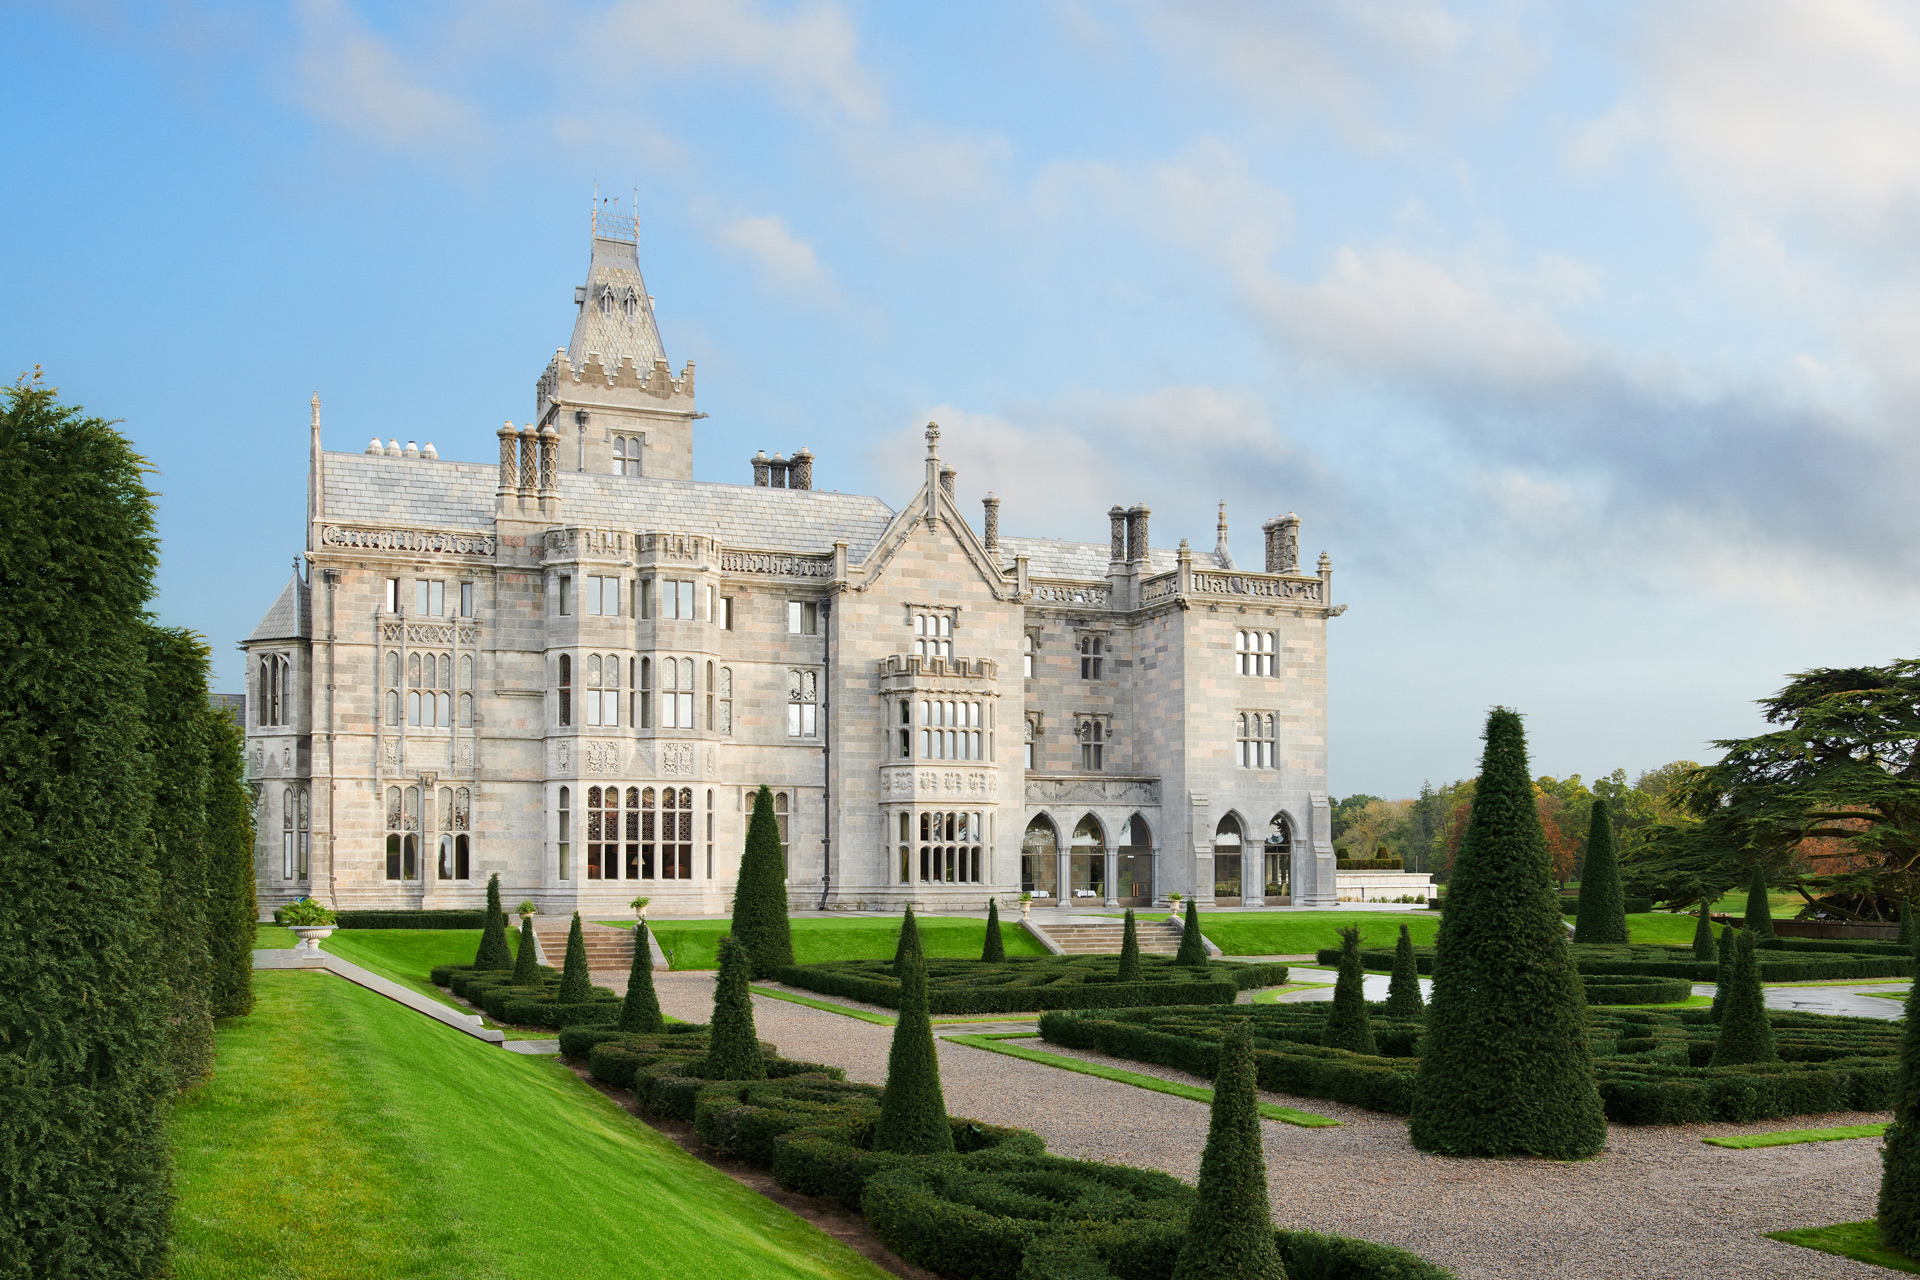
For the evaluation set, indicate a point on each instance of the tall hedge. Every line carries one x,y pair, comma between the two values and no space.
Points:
1348,1026
177,727
1403,988
1759,917
1130,950
84,1166
907,939
641,1009
576,980
1602,914
913,1110
526,956
1506,1068
1899,1216
1723,977
494,952
994,949
1909,937
1745,1033
733,1050
1703,944
760,895
1230,1231
232,909
1193,949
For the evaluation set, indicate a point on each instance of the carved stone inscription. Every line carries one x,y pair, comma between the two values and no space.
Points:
415,541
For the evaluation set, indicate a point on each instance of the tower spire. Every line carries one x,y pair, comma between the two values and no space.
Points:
316,479
615,320
1221,555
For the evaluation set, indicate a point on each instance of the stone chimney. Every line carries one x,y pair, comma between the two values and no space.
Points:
992,525
777,470
1137,533
947,473
760,465
800,471
1117,518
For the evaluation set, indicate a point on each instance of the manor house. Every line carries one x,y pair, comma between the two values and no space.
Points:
575,666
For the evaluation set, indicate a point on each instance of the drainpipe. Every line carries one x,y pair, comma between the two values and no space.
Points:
826,752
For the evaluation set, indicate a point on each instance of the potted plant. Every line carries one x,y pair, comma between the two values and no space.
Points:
1026,905
639,906
310,922
1173,903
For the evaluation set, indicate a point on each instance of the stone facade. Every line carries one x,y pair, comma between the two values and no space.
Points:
573,667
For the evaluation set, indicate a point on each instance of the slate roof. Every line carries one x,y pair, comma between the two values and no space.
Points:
1082,561
289,618
613,334
459,495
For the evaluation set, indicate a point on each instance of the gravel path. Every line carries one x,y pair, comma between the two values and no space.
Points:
1658,1204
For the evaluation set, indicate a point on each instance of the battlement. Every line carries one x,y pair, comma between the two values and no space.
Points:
562,381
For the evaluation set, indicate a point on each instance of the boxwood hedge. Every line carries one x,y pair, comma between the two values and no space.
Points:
1029,984
1613,989
456,919
1651,1064
520,1005
998,1208
1777,964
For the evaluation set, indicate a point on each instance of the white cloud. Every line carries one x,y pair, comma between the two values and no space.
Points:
350,78
784,262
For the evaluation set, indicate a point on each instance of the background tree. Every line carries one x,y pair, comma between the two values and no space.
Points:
1344,811
1230,1231
232,909
1758,920
733,1049
760,895
1909,936
84,1166
1506,1067
493,952
913,1109
1827,803
1703,944
1899,1216
1602,913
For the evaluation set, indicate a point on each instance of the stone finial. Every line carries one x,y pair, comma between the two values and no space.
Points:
1221,554
800,470
760,465
933,439
374,446
1326,563
1117,519
430,453
393,448
313,407
947,473
411,451
992,526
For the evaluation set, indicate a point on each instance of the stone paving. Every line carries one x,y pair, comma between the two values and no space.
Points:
1657,1203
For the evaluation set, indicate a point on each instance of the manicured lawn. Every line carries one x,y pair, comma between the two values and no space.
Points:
1662,928
344,1136
695,944
1783,906
273,937
407,956
1789,1137
1857,1240
1293,933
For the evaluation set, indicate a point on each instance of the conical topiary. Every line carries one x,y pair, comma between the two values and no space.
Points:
1192,949
1909,936
576,982
1759,919
1130,951
641,1009
1348,1026
493,952
1230,1231
760,895
1703,944
1505,1066
526,960
913,1111
1602,913
907,939
1723,976
733,1049
1746,1035
1403,989
1899,1218
994,949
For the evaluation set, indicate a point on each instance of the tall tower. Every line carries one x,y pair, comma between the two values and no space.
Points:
609,394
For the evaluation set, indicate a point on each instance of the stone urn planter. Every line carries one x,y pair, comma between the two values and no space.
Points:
310,935
1026,907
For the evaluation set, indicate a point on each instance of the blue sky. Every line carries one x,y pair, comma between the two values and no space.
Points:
1578,335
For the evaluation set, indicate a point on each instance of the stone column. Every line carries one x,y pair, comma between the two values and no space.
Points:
1111,855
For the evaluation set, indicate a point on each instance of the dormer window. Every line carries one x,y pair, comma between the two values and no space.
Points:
631,304
606,302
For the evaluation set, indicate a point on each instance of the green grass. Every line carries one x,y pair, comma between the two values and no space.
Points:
1198,1093
1886,995
865,1015
1293,933
273,937
345,1136
695,944
1857,1240
1271,995
1691,1002
1782,906
407,956
1789,1137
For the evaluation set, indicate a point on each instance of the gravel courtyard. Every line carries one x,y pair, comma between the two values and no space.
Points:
1658,1203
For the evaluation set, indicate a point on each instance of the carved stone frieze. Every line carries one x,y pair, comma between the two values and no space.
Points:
1070,592
430,634
1154,590
776,564
603,757
676,759
1307,591
907,782
1090,790
437,542
606,543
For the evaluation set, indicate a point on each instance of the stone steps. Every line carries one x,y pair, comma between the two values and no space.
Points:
1104,938
607,948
